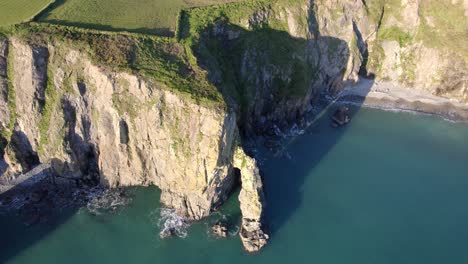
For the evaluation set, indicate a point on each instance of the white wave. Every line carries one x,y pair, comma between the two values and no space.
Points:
234,230
295,131
104,200
171,224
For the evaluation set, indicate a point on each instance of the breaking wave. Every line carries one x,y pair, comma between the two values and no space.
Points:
170,223
102,201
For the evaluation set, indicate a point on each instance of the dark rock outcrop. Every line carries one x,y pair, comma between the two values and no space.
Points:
341,117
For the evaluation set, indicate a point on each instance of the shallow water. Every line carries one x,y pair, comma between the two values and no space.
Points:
389,188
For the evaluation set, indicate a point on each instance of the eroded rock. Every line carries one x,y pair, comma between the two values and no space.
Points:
252,200
252,236
220,229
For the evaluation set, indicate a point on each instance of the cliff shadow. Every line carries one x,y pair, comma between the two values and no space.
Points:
284,174
31,207
38,201
260,73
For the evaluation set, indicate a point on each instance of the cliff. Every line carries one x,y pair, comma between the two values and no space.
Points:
125,109
414,43
117,127
273,58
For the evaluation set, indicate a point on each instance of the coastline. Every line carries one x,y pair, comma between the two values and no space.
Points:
388,96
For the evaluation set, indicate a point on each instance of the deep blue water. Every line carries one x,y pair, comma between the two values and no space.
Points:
390,188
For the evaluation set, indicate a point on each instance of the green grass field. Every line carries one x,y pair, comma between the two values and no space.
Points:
17,11
144,16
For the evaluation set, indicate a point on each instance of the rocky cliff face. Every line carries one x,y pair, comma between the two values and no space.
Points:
252,201
420,44
121,129
271,61
275,57
128,110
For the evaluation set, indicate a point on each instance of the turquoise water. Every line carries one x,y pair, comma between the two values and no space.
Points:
389,188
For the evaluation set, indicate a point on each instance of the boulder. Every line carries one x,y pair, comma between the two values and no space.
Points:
220,229
252,236
341,117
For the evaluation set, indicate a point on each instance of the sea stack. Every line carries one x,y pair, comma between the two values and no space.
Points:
251,199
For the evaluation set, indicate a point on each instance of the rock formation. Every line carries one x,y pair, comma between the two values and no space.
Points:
341,117
329,44
124,110
220,229
251,199
119,127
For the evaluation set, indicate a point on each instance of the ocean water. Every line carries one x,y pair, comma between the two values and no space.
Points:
388,188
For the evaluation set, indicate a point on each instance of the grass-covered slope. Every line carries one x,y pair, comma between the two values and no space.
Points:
444,25
17,11
263,56
144,16
161,59
267,44
441,24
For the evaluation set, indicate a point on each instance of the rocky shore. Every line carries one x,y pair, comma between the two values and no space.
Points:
39,196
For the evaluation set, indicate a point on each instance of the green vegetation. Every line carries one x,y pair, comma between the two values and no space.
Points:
6,133
266,46
408,65
379,10
17,11
444,25
157,58
52,98
179,63
144,16
195,21
376,58
397,34
126,103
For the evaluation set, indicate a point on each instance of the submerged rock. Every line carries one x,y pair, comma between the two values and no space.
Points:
168,232
220,229
341,117
38,195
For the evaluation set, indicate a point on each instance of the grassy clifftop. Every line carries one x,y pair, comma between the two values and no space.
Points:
440,24
195,20
274,36
145,16
161,59
258,34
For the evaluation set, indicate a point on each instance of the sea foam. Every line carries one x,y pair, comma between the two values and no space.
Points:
170,223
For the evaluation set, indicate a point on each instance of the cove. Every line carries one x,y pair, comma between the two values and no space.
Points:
387,188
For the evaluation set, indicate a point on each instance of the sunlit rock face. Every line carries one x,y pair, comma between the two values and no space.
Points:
87,121
251,198
119,128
